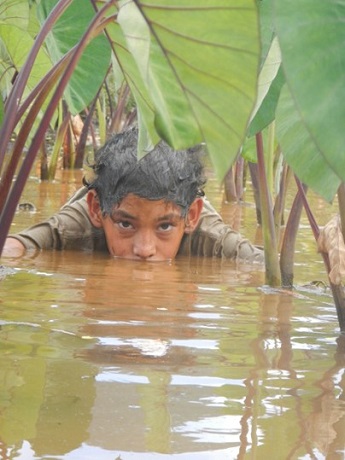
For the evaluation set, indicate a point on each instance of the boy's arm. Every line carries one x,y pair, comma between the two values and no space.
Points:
215,238
70,228
13,248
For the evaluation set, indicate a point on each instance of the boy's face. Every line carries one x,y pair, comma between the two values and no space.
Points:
144,229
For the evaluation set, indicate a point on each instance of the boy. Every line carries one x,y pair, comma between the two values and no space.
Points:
151,209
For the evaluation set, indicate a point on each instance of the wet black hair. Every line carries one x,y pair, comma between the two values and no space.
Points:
163,173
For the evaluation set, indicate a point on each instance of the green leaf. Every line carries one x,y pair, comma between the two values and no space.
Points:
95,61
248,151
15,44
199,61
15,12
269,85
266,113
300,151
7,70
311,35
18,44
131,73
1,111
266,26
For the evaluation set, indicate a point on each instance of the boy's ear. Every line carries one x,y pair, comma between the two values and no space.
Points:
193,215
95,212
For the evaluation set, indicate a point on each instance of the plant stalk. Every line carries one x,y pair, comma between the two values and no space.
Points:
268,230
337,289
287,253
253,171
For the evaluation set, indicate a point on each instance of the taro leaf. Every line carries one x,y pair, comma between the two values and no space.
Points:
300,151
248,151
267,112
94,63
266,26
7,69
15,12
270,82
199,60
139,91
16,41
18,44
311,35
1,111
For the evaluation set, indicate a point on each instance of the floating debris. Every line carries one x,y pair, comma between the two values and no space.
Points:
26,207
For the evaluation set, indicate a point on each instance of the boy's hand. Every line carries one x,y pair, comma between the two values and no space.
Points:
13,248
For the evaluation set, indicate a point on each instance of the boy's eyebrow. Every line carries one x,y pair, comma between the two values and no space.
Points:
170,216
119,213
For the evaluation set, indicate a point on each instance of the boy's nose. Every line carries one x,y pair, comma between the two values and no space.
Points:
144,245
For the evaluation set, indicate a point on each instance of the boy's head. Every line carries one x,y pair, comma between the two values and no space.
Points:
161,191
162,174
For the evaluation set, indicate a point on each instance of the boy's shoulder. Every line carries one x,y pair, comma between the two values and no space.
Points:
78,195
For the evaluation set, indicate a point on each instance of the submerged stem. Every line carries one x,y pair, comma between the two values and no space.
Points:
287,253
337,289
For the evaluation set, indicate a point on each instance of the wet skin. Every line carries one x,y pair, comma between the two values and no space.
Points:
144,229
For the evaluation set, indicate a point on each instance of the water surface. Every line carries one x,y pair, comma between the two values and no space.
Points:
110,359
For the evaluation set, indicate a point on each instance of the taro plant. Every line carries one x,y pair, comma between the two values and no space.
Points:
304,104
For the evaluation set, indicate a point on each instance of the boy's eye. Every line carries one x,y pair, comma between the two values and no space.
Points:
124,224
166,226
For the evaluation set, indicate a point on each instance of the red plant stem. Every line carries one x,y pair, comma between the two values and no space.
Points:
98,23
253,170
56,69
337,289
239,176
13,101
311,218
7,178
287,253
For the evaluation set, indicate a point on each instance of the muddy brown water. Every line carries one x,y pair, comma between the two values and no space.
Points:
196,359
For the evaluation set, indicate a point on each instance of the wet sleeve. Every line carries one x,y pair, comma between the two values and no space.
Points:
214,238
70,228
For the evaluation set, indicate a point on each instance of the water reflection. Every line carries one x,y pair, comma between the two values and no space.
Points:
104,358
284,384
